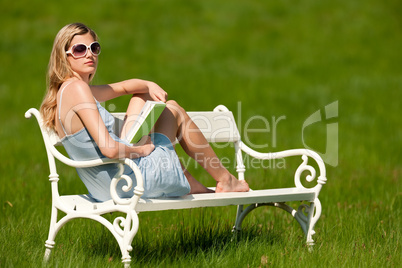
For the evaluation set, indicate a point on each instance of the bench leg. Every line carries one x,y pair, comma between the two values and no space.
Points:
126,263
125,235
309,226
314,213
307,222
123,229
241,215
49,244
237,226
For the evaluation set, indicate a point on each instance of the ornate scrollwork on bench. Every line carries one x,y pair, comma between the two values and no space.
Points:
309,178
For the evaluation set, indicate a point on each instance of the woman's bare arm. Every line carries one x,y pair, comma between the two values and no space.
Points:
129,87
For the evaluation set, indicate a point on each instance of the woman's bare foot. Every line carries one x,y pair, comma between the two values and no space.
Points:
232,185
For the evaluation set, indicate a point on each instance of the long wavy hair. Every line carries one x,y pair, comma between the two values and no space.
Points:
59,69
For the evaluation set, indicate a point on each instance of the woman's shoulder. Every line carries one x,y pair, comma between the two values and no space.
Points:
74,83
77,89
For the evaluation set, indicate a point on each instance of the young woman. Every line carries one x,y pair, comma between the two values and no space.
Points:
71,107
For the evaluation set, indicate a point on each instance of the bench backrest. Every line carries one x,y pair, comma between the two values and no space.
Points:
216,126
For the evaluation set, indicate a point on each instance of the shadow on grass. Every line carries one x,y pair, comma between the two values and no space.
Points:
202,237
193,243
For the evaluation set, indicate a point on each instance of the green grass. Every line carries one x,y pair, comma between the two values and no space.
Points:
278,58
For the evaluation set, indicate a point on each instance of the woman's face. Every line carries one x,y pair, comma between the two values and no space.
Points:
84,66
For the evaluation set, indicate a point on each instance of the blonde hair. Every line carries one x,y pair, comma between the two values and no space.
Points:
59,69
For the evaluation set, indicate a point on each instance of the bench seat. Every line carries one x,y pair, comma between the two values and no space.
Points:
84,202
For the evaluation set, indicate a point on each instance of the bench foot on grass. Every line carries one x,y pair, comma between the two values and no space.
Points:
49,246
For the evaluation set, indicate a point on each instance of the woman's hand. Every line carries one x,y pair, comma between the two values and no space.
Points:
143,148
156,92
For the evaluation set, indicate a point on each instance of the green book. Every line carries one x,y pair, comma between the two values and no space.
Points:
145,121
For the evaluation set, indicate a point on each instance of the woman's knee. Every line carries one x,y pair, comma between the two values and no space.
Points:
176,110
173,103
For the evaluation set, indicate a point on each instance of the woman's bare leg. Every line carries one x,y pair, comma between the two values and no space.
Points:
133,110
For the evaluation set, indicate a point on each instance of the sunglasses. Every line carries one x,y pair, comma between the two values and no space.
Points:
81,50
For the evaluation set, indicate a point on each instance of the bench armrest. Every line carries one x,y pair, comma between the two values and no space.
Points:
305,153
52,153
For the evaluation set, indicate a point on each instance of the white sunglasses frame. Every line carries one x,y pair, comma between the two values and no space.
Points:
86,52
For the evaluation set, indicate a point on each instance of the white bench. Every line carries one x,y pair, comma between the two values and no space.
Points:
217,126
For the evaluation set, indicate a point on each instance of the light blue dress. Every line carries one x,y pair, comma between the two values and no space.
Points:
161,170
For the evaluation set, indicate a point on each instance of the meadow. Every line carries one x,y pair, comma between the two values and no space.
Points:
271,59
